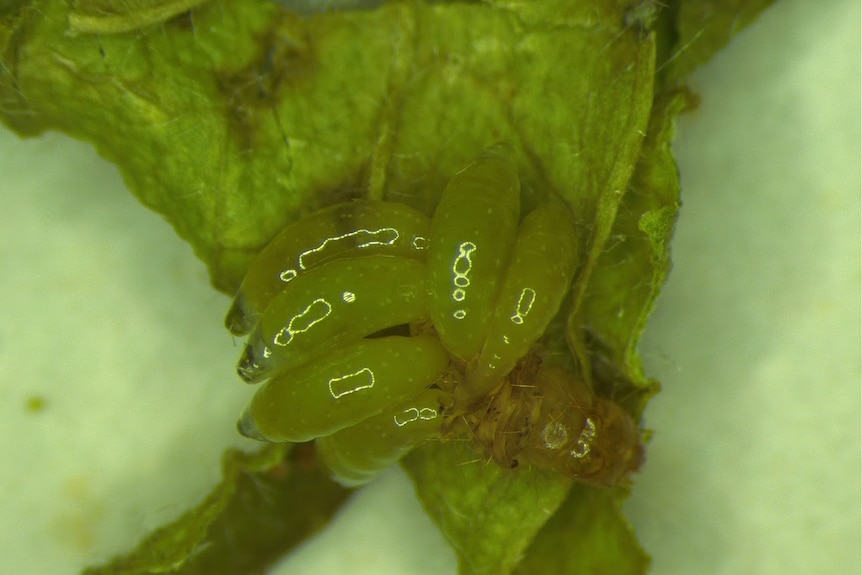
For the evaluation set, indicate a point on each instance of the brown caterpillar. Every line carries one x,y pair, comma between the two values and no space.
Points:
543,415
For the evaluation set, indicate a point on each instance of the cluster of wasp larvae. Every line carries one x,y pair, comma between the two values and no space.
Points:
377,330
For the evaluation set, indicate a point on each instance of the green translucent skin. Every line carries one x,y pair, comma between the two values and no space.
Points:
332,304
540,272
343,388
471,236
344,230
357,454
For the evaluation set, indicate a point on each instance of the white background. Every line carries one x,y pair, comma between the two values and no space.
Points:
755,463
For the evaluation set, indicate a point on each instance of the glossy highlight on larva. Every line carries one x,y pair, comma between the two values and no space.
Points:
378,329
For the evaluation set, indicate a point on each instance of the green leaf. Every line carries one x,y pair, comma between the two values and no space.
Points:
633,265
265,504
259,114
493,515
596,537
108,17
175,106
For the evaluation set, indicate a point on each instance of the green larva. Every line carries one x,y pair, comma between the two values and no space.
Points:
472,233
343,388
538,277
357,454
336,303
344,230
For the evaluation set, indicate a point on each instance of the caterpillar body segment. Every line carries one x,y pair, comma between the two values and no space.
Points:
343,388
539,275
472,233
336,303
357,454
344,230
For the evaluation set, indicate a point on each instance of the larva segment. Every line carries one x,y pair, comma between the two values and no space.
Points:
348,229
471,236
537,280
356,455
343,388
331,305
